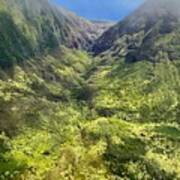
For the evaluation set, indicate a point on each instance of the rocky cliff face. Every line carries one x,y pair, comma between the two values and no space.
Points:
151,32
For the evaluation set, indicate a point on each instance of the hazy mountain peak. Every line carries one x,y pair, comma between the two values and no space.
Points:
160,7
139,34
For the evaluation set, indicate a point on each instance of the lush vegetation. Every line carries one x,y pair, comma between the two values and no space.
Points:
30,28
121,123
67,115
142,91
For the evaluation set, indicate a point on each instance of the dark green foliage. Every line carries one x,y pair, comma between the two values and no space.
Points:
49,40
119,156
32,28
14,46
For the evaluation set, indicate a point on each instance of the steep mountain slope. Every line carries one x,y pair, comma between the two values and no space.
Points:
29,28
67,115
101,26
34,64
151,33
137,78
87,30
148,89
142,90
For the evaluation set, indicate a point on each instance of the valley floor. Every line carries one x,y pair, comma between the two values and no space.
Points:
66,116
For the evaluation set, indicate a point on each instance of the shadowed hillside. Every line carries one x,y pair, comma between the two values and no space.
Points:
151,33
30,28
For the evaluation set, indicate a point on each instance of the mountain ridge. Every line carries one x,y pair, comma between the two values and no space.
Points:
66,114
40,27
142,30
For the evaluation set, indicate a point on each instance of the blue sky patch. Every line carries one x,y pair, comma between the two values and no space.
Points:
101,9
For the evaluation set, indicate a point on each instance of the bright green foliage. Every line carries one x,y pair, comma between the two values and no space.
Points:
65,115
140,91
40,87
121,123
106,148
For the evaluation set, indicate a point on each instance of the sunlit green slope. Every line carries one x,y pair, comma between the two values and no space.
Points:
38,84
67,115
120,123
141,91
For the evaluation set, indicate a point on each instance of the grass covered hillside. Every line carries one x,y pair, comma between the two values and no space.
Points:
68,115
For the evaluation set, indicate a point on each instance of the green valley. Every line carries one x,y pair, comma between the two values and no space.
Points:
75,108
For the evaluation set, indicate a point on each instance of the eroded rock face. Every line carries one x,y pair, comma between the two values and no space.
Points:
152,32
